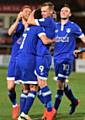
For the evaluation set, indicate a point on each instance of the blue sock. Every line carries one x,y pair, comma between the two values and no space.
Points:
23,101
69,94
29,101
58,99
47,98
40,97
12,96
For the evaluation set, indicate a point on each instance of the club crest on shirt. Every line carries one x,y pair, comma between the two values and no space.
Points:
68,30
56,31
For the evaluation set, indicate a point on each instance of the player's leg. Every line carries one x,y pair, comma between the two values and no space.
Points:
59,94
74,101
11,89
46,93
28,78
40,96
62,71
68,92
30,98
11,82
28,103
23,96
42,69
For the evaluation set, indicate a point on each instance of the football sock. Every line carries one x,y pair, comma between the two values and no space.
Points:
58,99
47,98
69,94
22,100
40,97
12,96
29,101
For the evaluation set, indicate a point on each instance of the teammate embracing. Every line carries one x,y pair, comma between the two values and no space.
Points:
43,56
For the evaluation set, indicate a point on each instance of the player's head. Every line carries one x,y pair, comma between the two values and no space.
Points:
26,10
65,12
37,14
47,9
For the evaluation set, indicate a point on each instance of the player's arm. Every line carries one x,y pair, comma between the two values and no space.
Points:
13,27
83,39
44,22
77,51
79,33
45,40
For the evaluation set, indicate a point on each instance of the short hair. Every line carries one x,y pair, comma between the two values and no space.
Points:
50,4
26,6
37,14
66,5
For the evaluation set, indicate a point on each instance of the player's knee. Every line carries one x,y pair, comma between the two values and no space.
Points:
33,87
11,88
25,88
42,83
60,94
60,85
10,85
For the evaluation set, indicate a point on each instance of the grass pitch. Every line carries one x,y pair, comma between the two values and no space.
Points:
77,83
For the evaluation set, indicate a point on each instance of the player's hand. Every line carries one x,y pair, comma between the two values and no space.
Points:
33,12
76,52
20,15
53,40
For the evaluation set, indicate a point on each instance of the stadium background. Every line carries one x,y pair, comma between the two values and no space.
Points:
8,13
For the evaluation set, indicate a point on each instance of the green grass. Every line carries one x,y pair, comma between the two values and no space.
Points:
77,83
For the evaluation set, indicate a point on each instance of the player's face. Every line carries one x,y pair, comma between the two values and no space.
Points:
46,12
65,13
26,12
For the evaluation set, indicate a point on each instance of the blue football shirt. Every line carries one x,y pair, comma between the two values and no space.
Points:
65,36
48,25
16,39
29,40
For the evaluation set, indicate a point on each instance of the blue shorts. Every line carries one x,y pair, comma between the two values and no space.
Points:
43,66
12,63
63,70
24,71
11,70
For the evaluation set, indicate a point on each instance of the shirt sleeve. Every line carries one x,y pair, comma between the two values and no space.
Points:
40,31
44,22
78,31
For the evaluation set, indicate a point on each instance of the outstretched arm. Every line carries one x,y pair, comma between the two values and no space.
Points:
46,40
79,51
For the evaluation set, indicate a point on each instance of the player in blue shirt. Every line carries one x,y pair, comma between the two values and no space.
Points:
16,30
43,58
25,66
65,35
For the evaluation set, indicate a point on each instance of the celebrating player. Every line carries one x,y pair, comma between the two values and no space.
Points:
16,30
66,33
43,58
25,66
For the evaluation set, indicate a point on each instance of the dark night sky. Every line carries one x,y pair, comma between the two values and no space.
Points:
76,5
